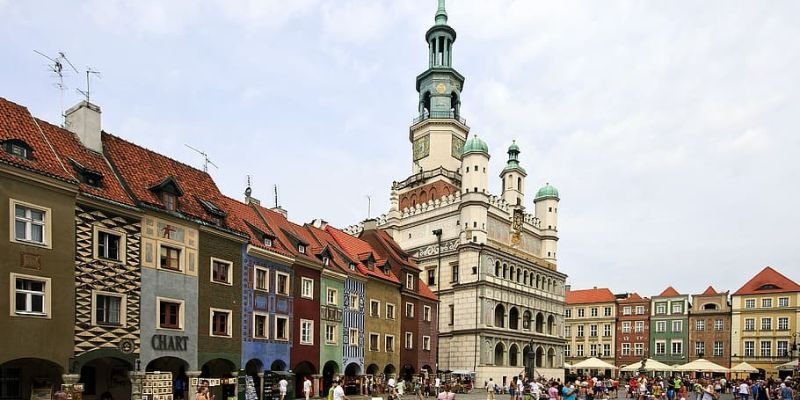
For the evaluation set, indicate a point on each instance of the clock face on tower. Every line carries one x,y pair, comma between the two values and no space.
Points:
440,88
422,147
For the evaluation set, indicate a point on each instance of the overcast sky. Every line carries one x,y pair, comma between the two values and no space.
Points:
669,128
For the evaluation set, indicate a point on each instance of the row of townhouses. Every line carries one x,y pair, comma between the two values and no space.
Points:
117,260
757,324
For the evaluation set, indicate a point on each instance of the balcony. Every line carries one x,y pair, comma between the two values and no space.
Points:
331,313
440,115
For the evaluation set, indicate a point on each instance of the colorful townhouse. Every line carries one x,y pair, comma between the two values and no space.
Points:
710,327
632,341
589,324
669,333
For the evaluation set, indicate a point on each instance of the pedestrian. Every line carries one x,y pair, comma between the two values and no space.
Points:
307,387
490,390
282,386
744,391
338,391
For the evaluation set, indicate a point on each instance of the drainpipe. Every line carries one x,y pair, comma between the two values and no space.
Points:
477,314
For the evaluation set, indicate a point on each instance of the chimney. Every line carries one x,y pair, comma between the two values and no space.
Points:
319,223
83,119
567,287
281,211
370,224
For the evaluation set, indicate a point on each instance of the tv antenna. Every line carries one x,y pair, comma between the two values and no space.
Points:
57,67
277,203
206,160
89,73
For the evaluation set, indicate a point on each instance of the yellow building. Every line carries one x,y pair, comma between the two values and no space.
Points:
765,321
589,325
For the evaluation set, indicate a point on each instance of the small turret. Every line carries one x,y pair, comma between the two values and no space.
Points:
513,177
474,205
546,205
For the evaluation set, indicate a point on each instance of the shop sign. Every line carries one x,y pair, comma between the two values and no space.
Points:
169,342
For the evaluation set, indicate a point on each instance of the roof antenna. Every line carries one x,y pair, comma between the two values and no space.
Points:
276,196
57,67
248,191
369,206
89,72
206,160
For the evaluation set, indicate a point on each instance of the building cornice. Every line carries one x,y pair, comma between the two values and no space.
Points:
269,255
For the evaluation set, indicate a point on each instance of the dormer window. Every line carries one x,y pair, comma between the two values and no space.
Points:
267,241
18,148
352,266
326,260
169,200
215,213
168,192
301,248
86,175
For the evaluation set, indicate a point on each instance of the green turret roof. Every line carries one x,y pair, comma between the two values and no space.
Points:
513,160
475,145
547,192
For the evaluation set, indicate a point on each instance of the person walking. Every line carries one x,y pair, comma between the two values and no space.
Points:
490,390
307,387
744,391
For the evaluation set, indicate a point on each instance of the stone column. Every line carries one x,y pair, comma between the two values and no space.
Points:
71,379
235,377
192,389
316,380
261,385
137,378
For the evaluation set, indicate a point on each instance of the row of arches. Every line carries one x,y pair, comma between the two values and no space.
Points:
511,356
526,277
540,324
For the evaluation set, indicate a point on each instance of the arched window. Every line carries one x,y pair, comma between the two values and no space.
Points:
497,271
526,320
499,349
513,356
505,270
539,323
519,183
513,318
551,358
511,275
500,316
551,325
539,357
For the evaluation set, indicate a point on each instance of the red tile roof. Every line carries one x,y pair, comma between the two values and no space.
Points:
709,291
17,123
244,218
426,291
595,295
358,249
634,298
141,169
669,292
768,281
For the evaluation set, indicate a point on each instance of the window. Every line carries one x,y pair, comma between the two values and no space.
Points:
677,308
718,348
783,323
452,312
568,313
661,308
389,311
661,347
18,148
766,348
431,277
593,330
30,224
301,248
699,348
261,281
626,326
606,350
374,308
581,313
567,331
750,324
783,302
593,350
426,313
410,281
169,200
783,348
170,313
221,271
388,341
307,288
626,310
282,283
766,303
639,310
677,326
326,260
700,325
454,274
409,340
410,310
594,311
749,348
220,322
426,343
281,327
354,302
332,296
109,309
31,295
579,332
766,324
108,245
677,347
306,331
260,328
639,328
626,349
374,342
267,241
607,312
638,349
353,337
719,325
661,326
607,330
579,350
330,334
567,350
170,258
750,303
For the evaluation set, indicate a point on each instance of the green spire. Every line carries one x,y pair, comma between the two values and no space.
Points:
513,159
441,14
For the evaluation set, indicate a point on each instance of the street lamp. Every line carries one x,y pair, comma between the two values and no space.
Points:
438,234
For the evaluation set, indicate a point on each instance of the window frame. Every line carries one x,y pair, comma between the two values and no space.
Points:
328,291
663,344
386,342
672,344
256,268
639,310
121,247
228,322
409,281
46,296
123,299
749,303
377,337
350,337
354,305
47,224
211,264
783,302
391,315
426,343
288,290
638,327
306,294
409,310
426,313
766,302
328,339
179,249
264,315
409,340
181,313
676,326
377,304
661,326
288,328
309,324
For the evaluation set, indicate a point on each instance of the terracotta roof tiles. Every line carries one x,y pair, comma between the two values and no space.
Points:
594,295
669,292
768,281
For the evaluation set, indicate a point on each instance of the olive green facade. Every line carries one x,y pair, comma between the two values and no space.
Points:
379,359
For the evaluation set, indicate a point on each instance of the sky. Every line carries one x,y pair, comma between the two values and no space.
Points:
669,128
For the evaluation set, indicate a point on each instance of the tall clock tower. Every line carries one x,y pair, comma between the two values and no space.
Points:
438,133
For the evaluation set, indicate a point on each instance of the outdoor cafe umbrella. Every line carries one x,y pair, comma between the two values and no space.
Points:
787,366
744,367
649,365
701,365
593,363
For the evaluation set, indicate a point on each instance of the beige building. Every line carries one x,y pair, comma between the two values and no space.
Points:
765,321
589,325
